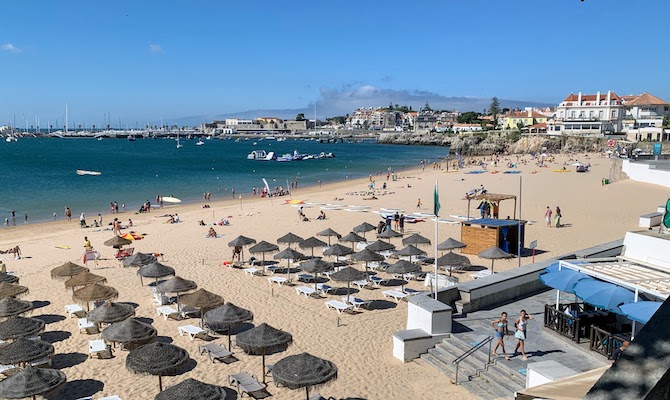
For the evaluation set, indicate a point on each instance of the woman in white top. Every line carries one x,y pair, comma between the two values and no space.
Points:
520,333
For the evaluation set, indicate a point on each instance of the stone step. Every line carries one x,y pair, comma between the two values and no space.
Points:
436,363
466,368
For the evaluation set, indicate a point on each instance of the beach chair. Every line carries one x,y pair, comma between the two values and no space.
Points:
123,253
481,274
99,348
245,383
271,268
396,295
86,326
357,303
74,309
192,331
279,280
306,278
186,311
216,352
377,281
323,288
161,299
338,305
306,290
253,271
362,283
91,255
410,292
166,311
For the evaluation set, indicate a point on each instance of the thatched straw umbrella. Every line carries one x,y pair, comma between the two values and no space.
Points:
24,350
12,290
17,327
176,285
363,228
192,389
84,279
452,260
95,292
263,340
380,245
288,254
10,306
367,256
329,233
415,239
451,244
337,250
302,371
117,241
316,266
224,317
241,241
130,330
155,270
263,247
311,243
289,239
31,382
67,271
352,238
348,275
403,267
410,251
156,358
139,260
111,312
202,299
494,253
389,234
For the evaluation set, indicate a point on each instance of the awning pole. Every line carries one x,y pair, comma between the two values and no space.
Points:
637,294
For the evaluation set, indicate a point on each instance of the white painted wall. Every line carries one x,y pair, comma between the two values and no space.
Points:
643,172
647,249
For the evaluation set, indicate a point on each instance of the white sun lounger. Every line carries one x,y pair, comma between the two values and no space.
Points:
191,330
74,310
279,280
338,305
409,291
306,278
362,283
481,274
246,383
215,351
99,348
324,288
166,311
377,280
306,290
397,296
252,271
356,302
85,325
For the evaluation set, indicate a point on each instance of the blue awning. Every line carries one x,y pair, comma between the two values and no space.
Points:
603,295
641,311
564,279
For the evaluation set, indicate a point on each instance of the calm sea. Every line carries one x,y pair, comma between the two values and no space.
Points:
39,178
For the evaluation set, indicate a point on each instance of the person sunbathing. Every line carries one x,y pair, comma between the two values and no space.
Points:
170,220
373,197
211,233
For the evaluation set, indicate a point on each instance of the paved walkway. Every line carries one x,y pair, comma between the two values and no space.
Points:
542,344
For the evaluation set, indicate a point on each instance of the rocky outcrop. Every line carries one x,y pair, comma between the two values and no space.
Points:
500,143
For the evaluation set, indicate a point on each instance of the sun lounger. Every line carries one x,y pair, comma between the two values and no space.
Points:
324,288
306,290
85,325
397,296
99,348
123,253
166,311
377,281
410,292
481,274
356,302
279,280
74,309
271,268
253,271
185,311
306,278
338,305
161,299
248,384
191,330
8,369
362,283
215,352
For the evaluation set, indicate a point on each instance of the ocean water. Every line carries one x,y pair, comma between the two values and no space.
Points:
39,178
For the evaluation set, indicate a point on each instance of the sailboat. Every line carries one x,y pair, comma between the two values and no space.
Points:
179,145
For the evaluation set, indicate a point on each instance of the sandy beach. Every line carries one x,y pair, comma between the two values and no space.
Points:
360,345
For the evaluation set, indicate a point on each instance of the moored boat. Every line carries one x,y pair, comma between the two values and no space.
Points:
261,155
85,172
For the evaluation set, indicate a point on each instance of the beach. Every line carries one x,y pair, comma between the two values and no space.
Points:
360,344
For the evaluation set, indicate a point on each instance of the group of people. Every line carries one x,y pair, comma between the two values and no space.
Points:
114,207
173,219
146,207
501,330
211,233
556,220
303,217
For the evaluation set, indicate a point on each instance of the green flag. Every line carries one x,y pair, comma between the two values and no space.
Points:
436,201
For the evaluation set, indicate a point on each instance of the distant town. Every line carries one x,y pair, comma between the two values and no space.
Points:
642,117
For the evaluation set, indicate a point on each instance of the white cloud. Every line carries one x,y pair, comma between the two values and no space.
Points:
156,49
10,48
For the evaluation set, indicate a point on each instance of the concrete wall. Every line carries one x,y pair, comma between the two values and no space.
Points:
616,170
644,172
647,248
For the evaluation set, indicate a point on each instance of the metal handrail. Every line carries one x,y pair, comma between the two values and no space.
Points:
468,353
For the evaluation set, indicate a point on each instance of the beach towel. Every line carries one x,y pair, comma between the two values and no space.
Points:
512,172
481,171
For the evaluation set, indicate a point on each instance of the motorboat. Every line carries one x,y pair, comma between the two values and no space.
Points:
285,158
84,172
199,143
261,155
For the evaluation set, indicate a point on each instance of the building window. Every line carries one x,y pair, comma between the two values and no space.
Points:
613,113
572,114
600,115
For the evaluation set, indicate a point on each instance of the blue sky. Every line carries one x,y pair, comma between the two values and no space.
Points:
143,60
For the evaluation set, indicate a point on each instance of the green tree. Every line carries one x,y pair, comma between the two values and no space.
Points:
469,117
494,109
426,107
520,126
666,121
300,117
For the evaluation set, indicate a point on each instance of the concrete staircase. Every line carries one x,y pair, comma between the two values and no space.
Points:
487,381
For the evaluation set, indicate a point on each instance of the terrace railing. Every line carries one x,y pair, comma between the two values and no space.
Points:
562,323
604,342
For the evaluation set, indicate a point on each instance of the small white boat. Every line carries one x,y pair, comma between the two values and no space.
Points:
261,155
84,172
199,143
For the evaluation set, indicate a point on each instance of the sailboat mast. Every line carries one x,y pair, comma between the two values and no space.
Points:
65,118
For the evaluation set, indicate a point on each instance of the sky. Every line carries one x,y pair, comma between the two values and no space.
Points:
140,61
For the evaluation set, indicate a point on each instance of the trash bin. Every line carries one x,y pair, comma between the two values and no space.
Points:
607,181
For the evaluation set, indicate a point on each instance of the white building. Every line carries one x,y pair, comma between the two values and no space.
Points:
588,115
644,116
237,121
467,128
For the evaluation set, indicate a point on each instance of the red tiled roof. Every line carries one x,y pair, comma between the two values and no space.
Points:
645,99
592,97
541,125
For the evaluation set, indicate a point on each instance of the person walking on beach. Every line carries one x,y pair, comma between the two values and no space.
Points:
116,227
111,207
116,207
123,207
557,217
547,216
25,218
418,204
500,326
54,215
520,333
68,214
401,223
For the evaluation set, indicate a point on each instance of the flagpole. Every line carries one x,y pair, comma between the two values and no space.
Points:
436,207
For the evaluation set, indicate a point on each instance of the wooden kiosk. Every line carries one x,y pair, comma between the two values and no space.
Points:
481,234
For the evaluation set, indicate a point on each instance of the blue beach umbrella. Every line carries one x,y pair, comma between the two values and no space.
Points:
603,295
641,311
563,280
